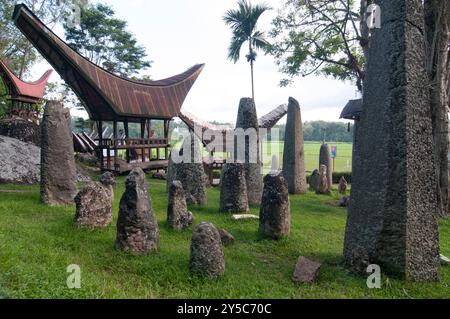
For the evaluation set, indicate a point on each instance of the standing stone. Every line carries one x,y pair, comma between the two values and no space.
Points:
233,189
187,167
207,258
178,216
58,169
343,185
137,227
323,187
314,180
325,159
248,121
94,203
275,212
294,153
393,210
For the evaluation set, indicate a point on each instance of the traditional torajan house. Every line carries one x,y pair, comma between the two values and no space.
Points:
23,95
110,98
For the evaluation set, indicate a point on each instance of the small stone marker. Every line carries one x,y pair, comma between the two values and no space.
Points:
226,238
137,227
275,212
178,216
343,185
314,180
233,189
323,186
94,203
207,258
306,271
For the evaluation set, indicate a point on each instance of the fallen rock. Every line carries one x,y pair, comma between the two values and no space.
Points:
244,216
275,212
137,227
94,203
207,258
306,271
178,216
21,129
226,238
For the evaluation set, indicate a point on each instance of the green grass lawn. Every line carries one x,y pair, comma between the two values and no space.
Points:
37,243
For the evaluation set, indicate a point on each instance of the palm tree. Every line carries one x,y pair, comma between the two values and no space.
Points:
242,22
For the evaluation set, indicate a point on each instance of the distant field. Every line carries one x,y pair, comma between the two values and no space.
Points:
343,161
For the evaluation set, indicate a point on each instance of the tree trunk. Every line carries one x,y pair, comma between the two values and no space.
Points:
436,22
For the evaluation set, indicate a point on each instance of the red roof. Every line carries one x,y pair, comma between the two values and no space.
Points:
28,92
105,95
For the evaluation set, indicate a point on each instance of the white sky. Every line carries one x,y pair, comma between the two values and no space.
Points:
180,33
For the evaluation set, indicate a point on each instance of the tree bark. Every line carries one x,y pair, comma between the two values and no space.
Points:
437,28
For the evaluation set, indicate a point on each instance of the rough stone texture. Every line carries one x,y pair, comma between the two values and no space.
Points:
190,173
294,153
306,271
343,186
359,260
178,216
314,180
248,119
393,210
233,189
325,159
137,227
226,238
94,203
323,187
19,161
275,212
58,169
207,258
21,129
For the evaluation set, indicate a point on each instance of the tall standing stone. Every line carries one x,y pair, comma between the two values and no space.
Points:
323,186
207,258
325,159
294,153
137,227
248,121
392,215
275,212
233,189
189,171
178,216
58,170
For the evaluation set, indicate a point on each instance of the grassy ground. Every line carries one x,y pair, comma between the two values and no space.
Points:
37,243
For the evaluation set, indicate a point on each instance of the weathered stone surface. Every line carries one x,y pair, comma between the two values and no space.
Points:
58,169
137,227
94,203
19,161
248,120
314,180
345,201
207,258
21,129
393,208
359,260
343,185
325,159
178,216
188,169
323,187
233,189
226,238
306,271
275,212
294,153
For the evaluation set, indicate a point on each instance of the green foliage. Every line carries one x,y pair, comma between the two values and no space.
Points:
104,40
38,243
318,37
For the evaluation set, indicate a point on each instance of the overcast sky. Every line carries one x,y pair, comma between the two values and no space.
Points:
180,33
